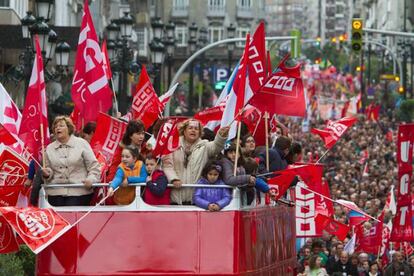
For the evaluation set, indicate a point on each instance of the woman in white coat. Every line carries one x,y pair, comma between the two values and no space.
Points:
184,165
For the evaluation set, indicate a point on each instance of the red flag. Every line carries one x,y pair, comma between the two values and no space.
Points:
8,242
90,90
372,112
210,114
10,120
334,130
145,105
282,93
331,226
108,135
323,205
77,119
37,227
106,63
13,169
9,195
6,137
34,126
168,139
280,183
370,241
402,227
345,109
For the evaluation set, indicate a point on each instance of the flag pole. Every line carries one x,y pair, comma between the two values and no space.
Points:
267,139
323,155
237,147
42,137
115,99
334,201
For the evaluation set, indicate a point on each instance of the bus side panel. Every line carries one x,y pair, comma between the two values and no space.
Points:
267,238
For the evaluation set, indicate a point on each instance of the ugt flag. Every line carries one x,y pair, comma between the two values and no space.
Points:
37,227
90,89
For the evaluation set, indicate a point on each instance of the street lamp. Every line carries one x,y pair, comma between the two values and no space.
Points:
157,57
231,31
157,51
192,46
44,8
170,46
62,54
202,40
119,32
27,21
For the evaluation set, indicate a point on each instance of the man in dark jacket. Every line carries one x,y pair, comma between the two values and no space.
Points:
397,266
344,266
277,156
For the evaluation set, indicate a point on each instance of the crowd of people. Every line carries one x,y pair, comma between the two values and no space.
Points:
360,168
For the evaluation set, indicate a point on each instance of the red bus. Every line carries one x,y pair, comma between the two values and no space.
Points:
141,239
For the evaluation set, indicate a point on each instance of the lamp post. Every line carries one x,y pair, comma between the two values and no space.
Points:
31,27
192,46
157,51
170,46
231,31
202,40
119,32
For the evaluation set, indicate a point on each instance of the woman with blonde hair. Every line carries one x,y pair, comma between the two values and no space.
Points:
184,166
69,160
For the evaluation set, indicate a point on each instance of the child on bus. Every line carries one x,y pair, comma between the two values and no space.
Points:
131,170
156,192
212,199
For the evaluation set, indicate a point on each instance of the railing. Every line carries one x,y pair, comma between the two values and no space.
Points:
238,202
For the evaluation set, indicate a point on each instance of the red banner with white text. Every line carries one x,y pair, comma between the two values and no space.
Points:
402,229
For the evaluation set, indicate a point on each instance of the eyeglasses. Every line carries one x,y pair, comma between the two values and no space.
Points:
250,141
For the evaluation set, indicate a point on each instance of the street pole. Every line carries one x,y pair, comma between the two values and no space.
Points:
157,78
363,95
412,71
170,61
230,61
369,66
404,80
124,79
191,89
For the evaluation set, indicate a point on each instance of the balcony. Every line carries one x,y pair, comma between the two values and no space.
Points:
179,11
216,11
244,12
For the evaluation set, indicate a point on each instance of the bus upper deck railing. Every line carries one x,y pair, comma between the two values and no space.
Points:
238,202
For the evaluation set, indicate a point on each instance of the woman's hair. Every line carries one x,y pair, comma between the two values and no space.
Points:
250,165
244,139
134,152
89,128
312,261
212,165
283,143
133,126
186,123
295,148
68,122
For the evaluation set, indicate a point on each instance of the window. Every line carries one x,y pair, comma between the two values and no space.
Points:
180,4
216,4
215,33
244,3
242,32
142,40
181,34
4,3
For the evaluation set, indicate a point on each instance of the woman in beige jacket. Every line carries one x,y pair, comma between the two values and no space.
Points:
69,159
184,165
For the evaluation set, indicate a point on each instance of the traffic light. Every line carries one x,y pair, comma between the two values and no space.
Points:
356,38
401,90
